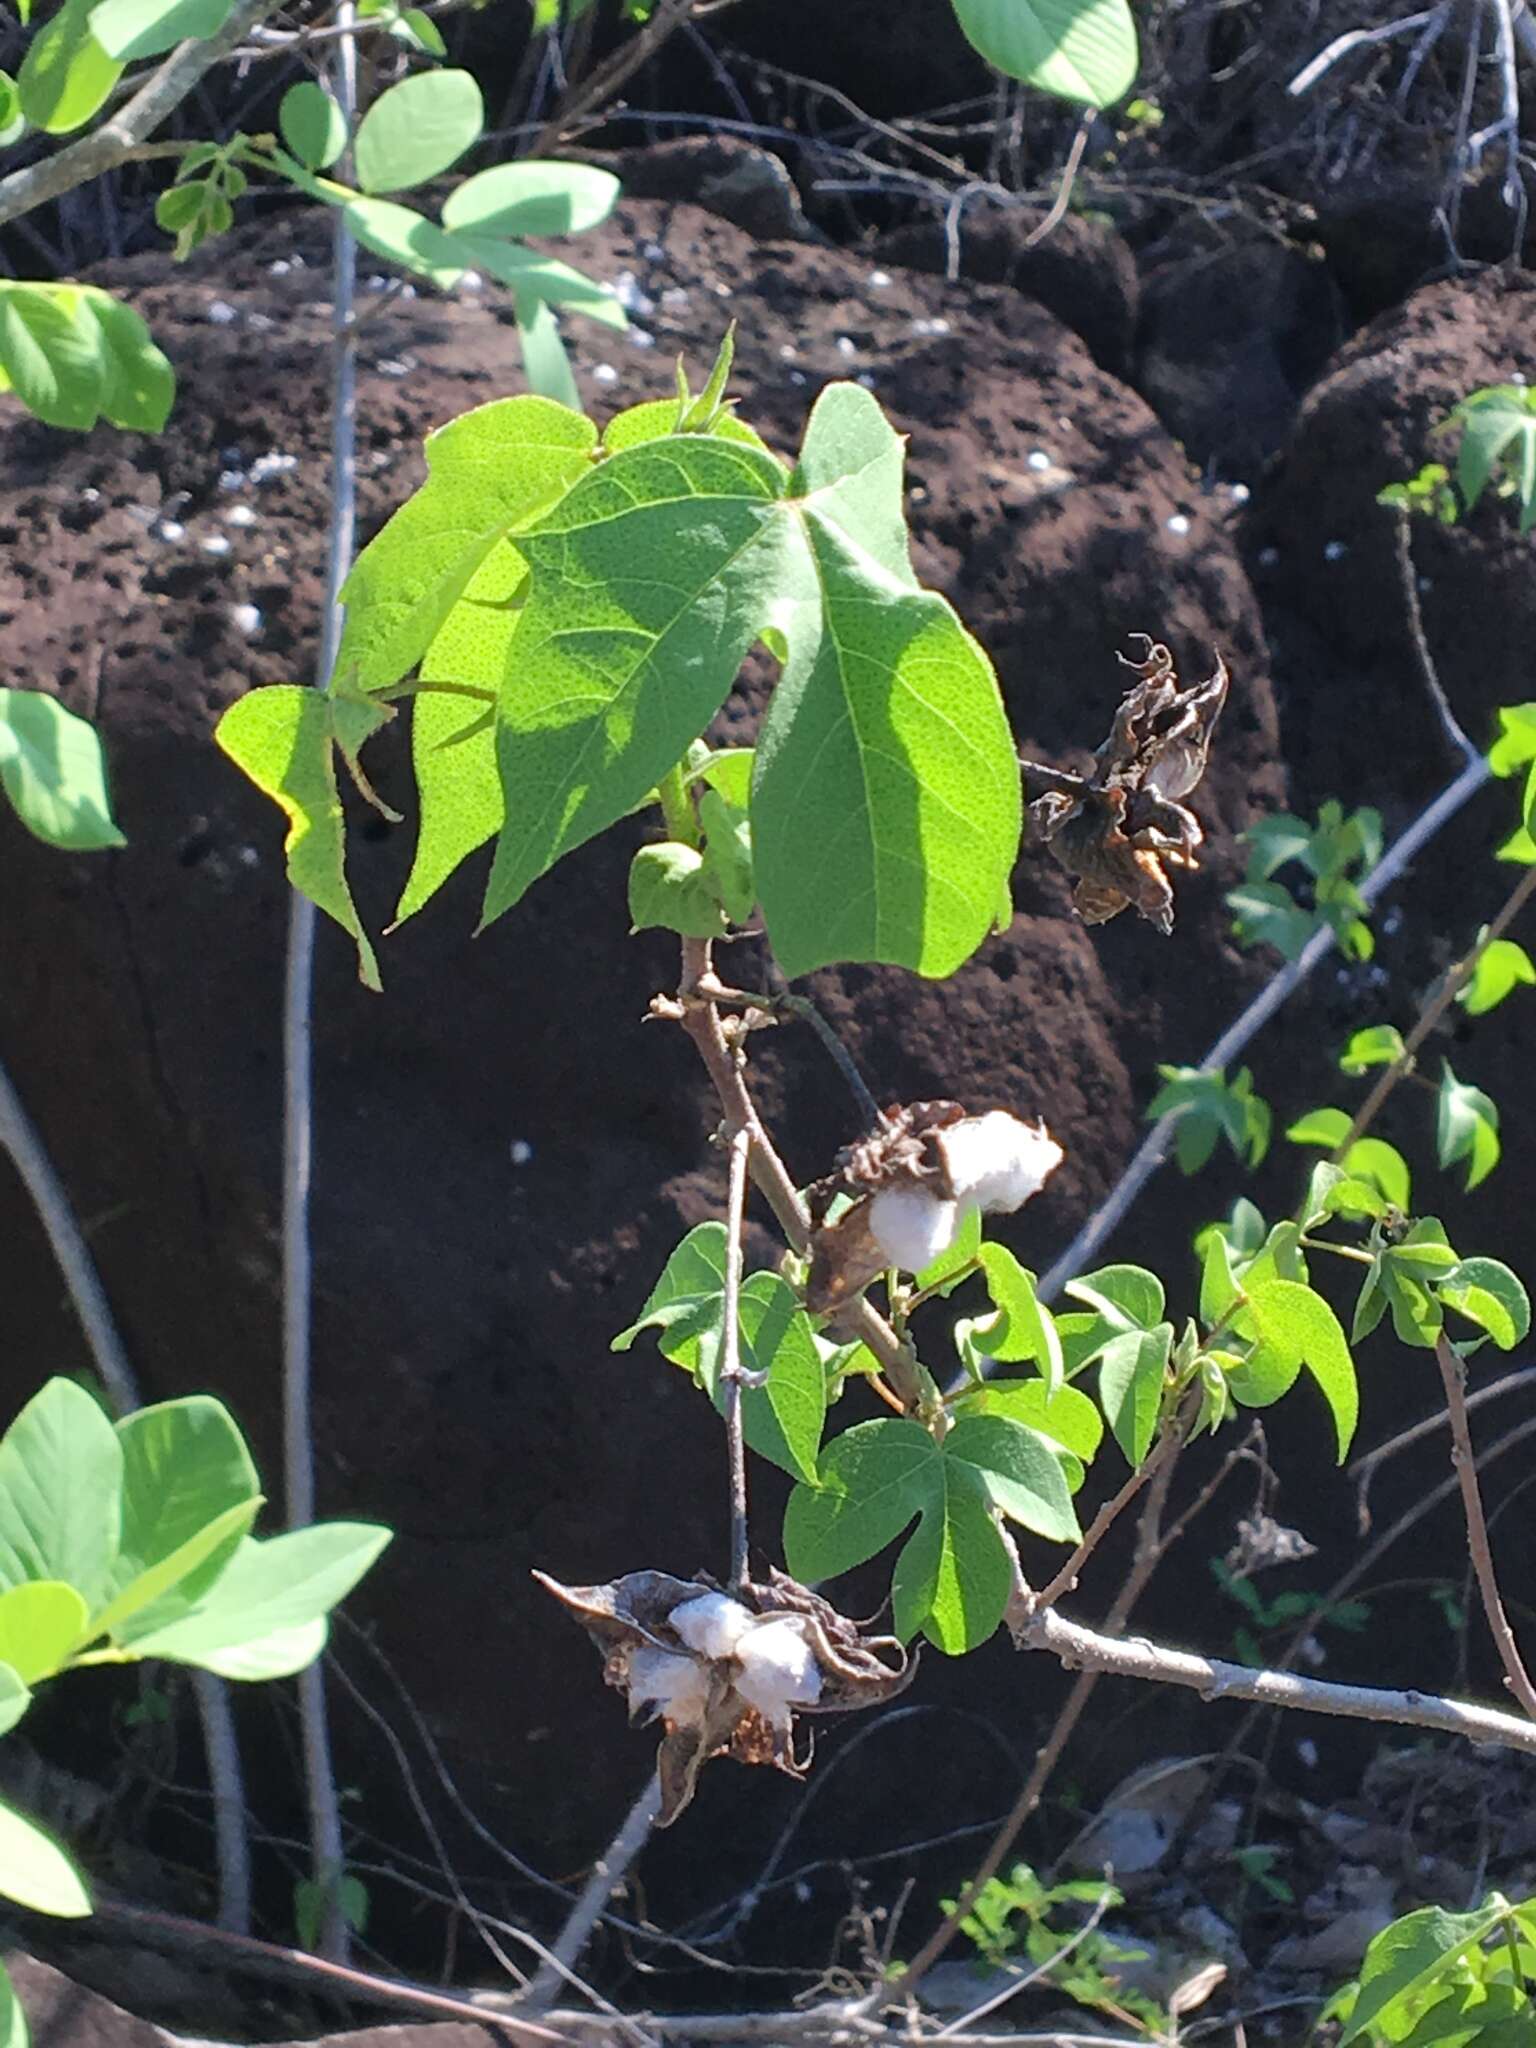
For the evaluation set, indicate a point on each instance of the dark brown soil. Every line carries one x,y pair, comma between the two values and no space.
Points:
467,1289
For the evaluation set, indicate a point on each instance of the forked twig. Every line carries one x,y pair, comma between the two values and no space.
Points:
1453,1378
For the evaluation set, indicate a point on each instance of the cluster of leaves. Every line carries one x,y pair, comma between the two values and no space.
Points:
1335,854
1283,1611
1019,1918
1514,753
74,355
133,1540
1210,1107
1498,449
1467,1979
572,609
1016,1446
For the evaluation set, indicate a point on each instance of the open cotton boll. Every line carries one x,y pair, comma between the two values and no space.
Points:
996,1162
712,1624
778,1671
912,1227
678,1686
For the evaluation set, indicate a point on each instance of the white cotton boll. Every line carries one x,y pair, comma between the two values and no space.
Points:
778,1671
679,1686
712,1624
913,1227
996,1162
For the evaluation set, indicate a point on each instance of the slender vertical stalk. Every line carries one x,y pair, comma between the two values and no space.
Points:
326,1848
20,1140
730,1357
607,1874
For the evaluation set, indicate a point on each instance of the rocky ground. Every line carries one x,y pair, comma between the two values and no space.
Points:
506,1151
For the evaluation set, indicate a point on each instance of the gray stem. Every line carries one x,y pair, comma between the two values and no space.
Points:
607,1873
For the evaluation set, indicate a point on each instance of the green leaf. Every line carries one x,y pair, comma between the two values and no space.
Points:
1515,747
190,1494
1368,1159
13,2021
1020,1329
417,130
66,75
1499,431
545,362
1078,49
61,1471
1261,1379
13,123
1502,966
313,125
1298,1324
728,855
138,383
128,29
1412,1954
282,736
783,1419
1128,1297
1487,1293
684,1303
453,750
884,746
531,198
727,770
1218,1282
15,1695
264,1615
397,233
1378,1045
51,352
1467,1127
40,1623
34,1870
1327,1127
1333,1192
487,472
953,1576
669,890
1021,1470
1067,1417
52,771
1132,1369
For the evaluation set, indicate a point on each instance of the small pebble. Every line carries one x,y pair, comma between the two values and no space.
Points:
170,530
865,379
1306,1750
1268,557
1240,494
1038,459
1178,522
1335,551
471,281
604,373
797,376
653,252
260,323
215,544
407,291
627,290
240,515
395,366
642,337
246,619
879,279
249,856
376,283
272,464
522,1151
846,346
674,295
221,313
90,495
787,351
233,479
1426,584
281,268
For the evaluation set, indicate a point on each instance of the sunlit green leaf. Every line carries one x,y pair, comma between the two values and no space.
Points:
128,29
66,75
52,770
35,1871
1297,1323
531,198
313,125
1502,967
61,1471
1467,1127
1078,49
417,130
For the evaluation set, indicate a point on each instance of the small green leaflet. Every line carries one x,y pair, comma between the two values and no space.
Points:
1127,1297
1132,1371
13,2021
953,1575
728,854
284,739
1467,1127
52,770
1515,747
1498,430
1209,1107
885,743
1406,1958
1298,1325
1067,1417
74,355
1020,1329
1502,967
417,130
41,1621
1487,1293
128,29
782,1420
61,1475
1083,50
1368,1159
66,75
313,125
34,1870
670,890
1378,1045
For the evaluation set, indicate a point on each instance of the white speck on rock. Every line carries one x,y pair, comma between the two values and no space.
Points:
222,313
604,373
521,1151
631,294
1178,522
1335,551
787,351
281,268
246,619
233,479
215,544
674,295
846,346
395,366
90,495
879,279
1038,459
170,530
1240,494
241,515
642,337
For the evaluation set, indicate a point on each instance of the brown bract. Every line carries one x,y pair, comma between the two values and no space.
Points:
1123,825
630,1620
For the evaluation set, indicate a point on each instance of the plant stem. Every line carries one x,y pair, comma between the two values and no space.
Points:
730,1357
607,1873
327,1850
677,808
1066,1579
1453,1378
1452,985
790,1004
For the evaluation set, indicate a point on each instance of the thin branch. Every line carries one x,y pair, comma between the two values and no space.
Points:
730,1357
787,1003
1450,724
1364,1469
1081,1649
1154,1149
607,1874
327,1846
1358,39
1453,1378
113,143
1066,1579
606,80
